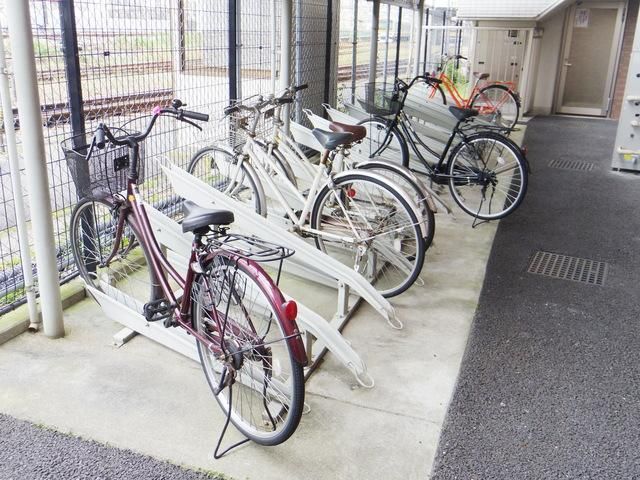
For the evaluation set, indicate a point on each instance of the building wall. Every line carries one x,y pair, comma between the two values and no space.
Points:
550,47
625,55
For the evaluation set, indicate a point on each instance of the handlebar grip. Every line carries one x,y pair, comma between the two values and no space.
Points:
301,87
461,57
100,138
202,117
231,109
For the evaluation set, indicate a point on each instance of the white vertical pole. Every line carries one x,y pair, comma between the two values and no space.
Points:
418,15
34,156
16,186
274,53
239,47
285,53
373,57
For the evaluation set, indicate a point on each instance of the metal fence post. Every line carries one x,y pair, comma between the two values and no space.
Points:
417,25
72,65
398,42
327,58
354,51
373,57
233,50
28,102
274,53
16,187
285,54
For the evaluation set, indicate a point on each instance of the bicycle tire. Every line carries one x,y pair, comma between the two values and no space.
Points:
327,215
435,93
216,167
498,105
128,277
397,150
478,156
240,285
395,173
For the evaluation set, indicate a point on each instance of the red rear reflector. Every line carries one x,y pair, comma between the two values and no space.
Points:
290,310
351,193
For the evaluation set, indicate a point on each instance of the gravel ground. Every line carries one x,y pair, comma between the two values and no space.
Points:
30,452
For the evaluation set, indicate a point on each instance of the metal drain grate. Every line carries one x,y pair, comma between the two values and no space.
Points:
565,267
571,165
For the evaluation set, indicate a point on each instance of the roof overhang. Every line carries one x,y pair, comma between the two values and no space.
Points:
548,11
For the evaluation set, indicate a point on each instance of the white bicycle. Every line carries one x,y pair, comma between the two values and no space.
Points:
359,217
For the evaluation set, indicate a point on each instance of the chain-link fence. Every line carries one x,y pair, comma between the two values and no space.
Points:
112,61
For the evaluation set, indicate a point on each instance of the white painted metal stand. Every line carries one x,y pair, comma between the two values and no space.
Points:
16,187
194,189
28,101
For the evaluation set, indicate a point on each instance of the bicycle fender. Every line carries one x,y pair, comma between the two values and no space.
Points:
277,300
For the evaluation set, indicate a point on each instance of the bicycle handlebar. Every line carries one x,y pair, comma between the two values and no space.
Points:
103,132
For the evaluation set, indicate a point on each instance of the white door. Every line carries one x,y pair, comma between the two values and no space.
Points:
589,58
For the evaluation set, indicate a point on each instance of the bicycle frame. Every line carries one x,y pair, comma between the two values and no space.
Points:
131,210
260,159
461,101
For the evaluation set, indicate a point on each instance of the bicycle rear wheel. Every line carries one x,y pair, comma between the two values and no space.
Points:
497,104
266,398
225,172
127,276
365,223
488,176
408,184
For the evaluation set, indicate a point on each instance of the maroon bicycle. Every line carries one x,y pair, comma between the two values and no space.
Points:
247,338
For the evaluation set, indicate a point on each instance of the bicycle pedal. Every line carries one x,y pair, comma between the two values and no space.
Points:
157,310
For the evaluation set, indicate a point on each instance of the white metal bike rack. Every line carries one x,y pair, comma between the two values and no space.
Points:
194,189
319,335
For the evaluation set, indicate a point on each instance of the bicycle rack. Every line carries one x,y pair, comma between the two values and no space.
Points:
194,189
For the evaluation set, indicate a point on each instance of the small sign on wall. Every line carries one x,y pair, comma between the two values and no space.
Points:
582,18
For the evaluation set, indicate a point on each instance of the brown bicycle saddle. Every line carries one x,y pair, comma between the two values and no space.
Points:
358,131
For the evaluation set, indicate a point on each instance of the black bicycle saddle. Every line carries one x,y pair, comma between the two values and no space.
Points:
197,218
463,113
332,140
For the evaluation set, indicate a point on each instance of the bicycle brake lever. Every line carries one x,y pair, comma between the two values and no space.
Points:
190,123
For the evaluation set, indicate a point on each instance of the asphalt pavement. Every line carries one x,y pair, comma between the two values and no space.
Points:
549,386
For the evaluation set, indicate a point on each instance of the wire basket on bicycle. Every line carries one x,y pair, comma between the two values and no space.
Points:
104,172
381,99
250,122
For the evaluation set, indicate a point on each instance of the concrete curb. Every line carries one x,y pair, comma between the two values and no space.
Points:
16,321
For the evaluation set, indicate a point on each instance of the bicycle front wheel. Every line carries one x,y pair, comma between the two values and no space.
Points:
119,267
497,104
383,142
225,172
368,225
233,309
488,176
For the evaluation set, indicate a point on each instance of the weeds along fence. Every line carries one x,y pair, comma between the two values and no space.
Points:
112,61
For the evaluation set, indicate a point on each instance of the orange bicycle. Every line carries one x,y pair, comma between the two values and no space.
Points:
496,102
